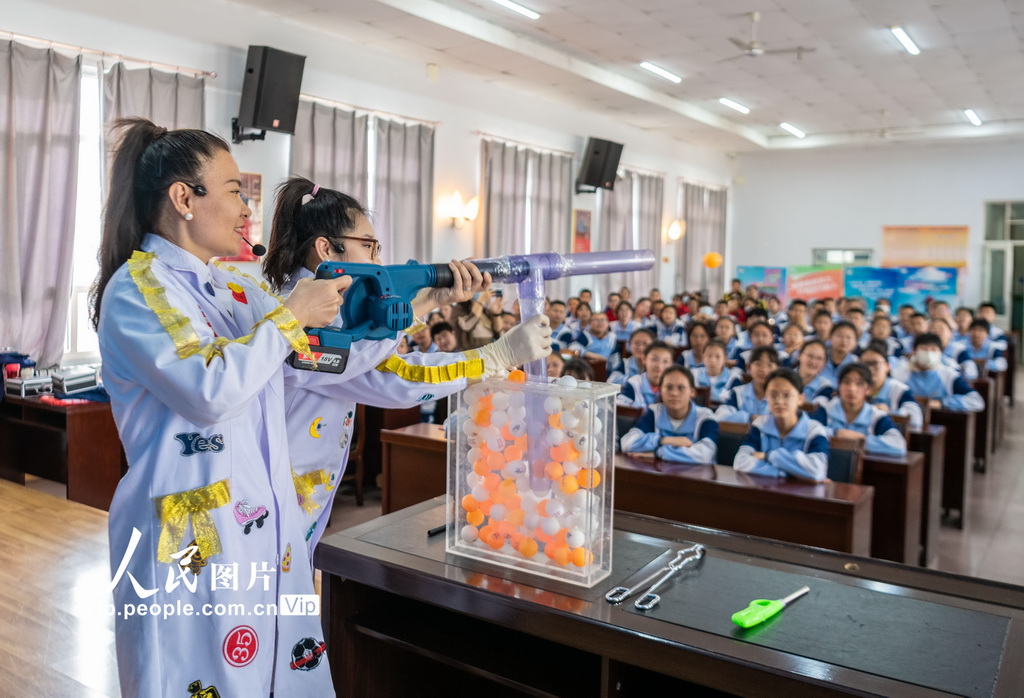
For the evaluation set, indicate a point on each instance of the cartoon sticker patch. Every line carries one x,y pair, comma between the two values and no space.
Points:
240,646
247,515
193,443
238,293
315,428
306,654
286,563
196,690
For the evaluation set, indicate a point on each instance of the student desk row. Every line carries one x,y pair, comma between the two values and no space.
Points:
77,445
400,615
415,464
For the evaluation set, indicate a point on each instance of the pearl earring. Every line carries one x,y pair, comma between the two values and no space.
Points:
188,216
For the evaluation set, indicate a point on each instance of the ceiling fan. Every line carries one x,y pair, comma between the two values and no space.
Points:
755,49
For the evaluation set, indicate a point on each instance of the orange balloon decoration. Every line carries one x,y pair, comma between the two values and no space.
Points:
712,260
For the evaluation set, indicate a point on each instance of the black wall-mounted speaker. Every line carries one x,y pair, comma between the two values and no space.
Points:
270,92
600,162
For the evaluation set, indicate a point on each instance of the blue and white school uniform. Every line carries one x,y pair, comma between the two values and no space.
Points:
780,319
622,334
732,349
990,352
831,370
619,372
819,389
944,384
699,426
803,452
953,356
900,400
721,384
741,404
881,435
586,343
689,359
743,360
674,335
560,330
637,391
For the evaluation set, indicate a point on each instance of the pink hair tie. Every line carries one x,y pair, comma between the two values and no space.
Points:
306,198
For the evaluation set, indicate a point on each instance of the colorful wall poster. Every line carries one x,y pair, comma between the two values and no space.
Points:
580,230
918,285
871,283
924,246
808,283
770,281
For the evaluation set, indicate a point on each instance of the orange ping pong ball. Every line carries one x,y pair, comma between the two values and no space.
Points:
517,376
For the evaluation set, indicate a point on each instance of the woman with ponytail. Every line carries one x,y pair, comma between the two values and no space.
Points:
311,225
193,358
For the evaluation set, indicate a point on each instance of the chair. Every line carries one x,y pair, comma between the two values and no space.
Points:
355,455
730,437
902,422
702,395
846,460
625,418
600,368
926,409
622,347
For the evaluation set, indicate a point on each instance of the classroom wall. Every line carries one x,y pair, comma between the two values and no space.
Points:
787,202
213,35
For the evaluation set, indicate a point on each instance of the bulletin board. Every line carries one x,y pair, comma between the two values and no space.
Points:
924,246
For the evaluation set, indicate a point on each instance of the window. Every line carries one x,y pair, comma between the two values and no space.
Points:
81,344
849,257
1004,220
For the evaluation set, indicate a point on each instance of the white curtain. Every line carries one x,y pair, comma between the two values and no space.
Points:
551,210
403,209
504,198
40,106
704,210
171,100
330,148
650,198
615,231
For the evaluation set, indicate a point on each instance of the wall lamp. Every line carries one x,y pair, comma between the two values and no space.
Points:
459,212
676,229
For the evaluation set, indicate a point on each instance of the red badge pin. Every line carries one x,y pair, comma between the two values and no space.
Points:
240,646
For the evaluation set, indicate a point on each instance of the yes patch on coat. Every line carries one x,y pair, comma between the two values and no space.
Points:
193,443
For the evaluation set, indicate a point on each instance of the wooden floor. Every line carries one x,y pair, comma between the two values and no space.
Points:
56,638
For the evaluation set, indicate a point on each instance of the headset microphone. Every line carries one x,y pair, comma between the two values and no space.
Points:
257,249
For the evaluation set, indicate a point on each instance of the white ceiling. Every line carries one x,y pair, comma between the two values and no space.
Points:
859,86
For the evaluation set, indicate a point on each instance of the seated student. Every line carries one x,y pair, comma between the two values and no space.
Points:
855,316
884,306
579,321
798,315
760,334
889,394
610,310
641,390
786,441
925,374
754,315
850,415
904,322
403,345
962,320
725,332
556,364
939,309
822,324
642,312
917,324
714,374
747,400
881,331
669,328
817,386
618,371
442,337
420,340
829,305
596,342
987,311
578,369
842,342
624,325
556,314
777,317
793,339
698,337
980,347
952,351
675,428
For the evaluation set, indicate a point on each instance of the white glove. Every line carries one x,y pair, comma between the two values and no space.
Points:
528,341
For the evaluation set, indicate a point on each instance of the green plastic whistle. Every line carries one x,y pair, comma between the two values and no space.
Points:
761,610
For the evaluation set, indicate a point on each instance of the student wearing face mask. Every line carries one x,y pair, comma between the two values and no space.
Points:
785,442
620,371
641,390
887,393
951,351
925,374
748,400
674,428
714,374
850,415
884,306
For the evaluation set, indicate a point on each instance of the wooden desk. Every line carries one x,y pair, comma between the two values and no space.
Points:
984,427
74,444
958,466
931,442
414,464
400,616
378,418
896,513
829,515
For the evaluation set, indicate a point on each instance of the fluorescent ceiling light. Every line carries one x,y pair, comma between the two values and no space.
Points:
908,44
517,8
734,105
660,71
972,117
792,129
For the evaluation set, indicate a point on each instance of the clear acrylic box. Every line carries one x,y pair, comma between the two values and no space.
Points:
530,477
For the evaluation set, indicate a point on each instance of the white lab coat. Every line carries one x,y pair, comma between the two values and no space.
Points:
195,372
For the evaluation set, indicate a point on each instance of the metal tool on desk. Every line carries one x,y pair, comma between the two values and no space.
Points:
620,594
